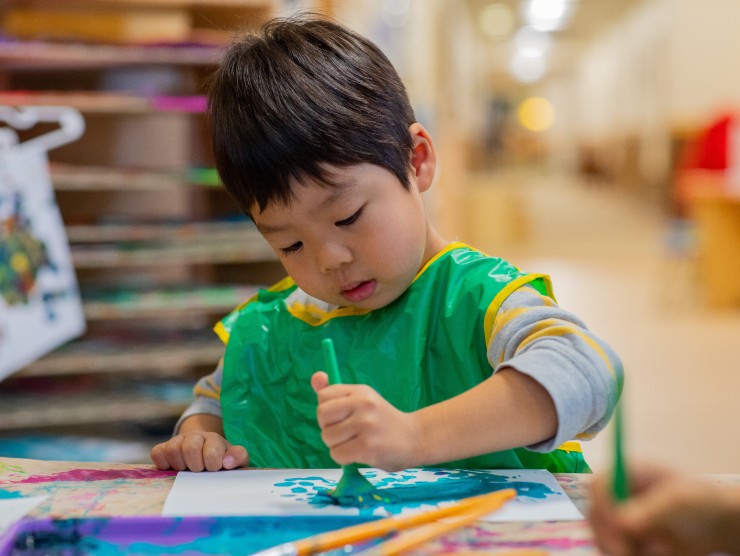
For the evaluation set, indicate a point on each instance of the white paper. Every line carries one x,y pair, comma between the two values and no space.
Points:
291,492
40,306
13,509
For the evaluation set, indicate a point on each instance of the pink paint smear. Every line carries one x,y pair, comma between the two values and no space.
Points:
559,544
88,475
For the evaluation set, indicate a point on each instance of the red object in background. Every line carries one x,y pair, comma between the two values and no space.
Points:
704,163
712,149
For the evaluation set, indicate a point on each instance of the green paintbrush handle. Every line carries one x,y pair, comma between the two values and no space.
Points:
352,483
330,361
621,483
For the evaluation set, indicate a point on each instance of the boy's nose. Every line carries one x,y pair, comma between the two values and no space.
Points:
333,255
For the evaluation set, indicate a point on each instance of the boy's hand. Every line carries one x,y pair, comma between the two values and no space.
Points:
360,426
198,450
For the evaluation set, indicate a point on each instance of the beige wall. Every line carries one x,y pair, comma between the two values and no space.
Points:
704,70
670,63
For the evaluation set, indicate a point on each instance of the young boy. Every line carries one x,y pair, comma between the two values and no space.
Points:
447,356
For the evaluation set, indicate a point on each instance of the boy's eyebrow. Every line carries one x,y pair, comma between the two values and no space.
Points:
266,229
340,188
334,196
339,191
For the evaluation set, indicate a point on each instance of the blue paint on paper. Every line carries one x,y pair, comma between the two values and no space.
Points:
398,491
5,494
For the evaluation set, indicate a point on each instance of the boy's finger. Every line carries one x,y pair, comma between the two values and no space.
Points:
351,450
173,453
332,412
192,452
334,391
213,451
319,381
159,458
339,434
235,456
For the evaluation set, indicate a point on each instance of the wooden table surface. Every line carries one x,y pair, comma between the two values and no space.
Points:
81,490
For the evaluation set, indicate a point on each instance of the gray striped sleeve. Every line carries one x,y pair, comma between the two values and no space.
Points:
582,374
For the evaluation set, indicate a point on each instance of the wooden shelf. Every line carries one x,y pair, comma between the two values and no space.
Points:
182,253
107,103
167,304
154,355
71,177
133,21
142,204
42,55
151,4
194,232
33,412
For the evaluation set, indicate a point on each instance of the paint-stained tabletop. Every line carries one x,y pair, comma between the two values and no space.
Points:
80,490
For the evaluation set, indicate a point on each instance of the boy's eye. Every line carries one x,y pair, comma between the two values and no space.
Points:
351,220
291,248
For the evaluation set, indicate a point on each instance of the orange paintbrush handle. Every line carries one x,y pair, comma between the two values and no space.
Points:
475,506
469,514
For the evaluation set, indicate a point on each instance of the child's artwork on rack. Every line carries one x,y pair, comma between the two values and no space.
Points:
40,304
301,492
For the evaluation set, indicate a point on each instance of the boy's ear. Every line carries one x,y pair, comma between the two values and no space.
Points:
423,157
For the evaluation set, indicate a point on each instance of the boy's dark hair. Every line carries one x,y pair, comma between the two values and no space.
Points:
302,94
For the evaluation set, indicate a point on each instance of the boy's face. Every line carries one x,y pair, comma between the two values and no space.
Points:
360,242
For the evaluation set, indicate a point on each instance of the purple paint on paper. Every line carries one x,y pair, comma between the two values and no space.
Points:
158,536
89,475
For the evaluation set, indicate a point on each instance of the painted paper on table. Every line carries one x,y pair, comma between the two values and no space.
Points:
299,492
13,507
163,536
40,305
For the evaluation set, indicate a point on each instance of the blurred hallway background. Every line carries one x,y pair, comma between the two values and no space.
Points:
612,264
569,151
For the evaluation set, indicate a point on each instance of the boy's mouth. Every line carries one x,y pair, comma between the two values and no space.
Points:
359,291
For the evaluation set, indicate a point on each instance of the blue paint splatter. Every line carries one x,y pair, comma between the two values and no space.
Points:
398,491
4,494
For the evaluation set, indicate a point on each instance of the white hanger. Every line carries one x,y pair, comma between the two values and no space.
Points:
71,126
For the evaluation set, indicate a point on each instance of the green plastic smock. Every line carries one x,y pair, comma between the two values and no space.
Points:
425,347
